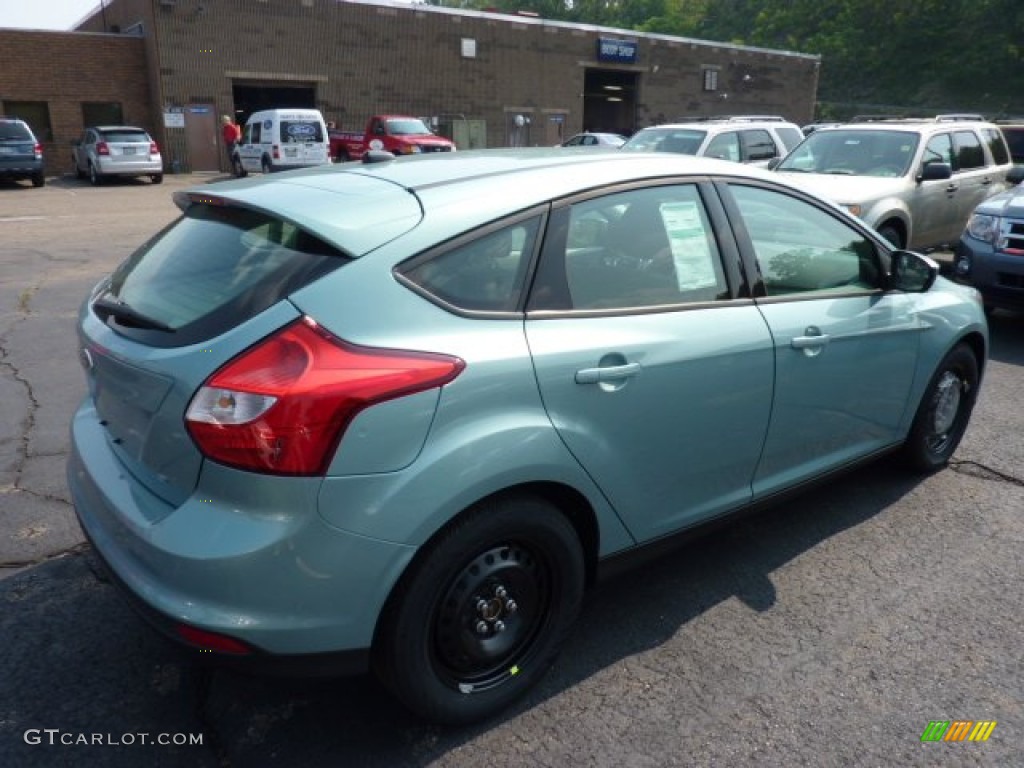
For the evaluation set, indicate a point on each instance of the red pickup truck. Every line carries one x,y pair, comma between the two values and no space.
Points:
397,134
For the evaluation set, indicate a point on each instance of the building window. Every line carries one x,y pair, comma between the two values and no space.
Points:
710,78
102,113
35,113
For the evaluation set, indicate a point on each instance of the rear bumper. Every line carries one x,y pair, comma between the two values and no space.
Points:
17,169
141,167
244,556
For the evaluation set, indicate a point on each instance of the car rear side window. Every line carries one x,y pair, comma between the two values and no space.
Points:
483,274
996,145
968,151
214,268
759,145
802,249
634,250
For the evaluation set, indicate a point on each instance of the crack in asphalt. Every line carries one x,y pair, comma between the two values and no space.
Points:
206,721
984,472
82,546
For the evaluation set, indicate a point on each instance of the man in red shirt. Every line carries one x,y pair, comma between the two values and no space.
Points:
232,134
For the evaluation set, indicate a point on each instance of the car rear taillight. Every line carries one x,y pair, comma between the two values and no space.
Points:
275,151
37,150
212,641
153,148
102,148
282,406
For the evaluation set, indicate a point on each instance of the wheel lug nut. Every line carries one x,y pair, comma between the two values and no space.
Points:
481,606
481,627
499,626
500,593
511,607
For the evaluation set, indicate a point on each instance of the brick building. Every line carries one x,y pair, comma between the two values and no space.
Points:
485,79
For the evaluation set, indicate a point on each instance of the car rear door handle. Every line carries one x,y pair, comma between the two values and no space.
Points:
952,187
607,373
812,342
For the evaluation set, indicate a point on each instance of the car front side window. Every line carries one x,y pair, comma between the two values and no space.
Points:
801,249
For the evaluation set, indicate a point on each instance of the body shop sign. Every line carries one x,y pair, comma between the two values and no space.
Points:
622,51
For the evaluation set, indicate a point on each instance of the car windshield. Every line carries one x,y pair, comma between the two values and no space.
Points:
407,127
685,141
14,132
126,136
854,153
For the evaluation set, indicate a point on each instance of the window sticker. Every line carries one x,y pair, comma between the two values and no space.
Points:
689,242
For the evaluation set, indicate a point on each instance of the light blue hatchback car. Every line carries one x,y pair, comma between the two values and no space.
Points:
400,414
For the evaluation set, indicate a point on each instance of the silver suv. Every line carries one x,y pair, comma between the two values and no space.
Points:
753,139
916,181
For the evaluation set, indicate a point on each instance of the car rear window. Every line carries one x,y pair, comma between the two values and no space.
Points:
298,131
12,131
212,269
125,136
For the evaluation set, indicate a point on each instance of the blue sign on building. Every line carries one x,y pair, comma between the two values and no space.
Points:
621,51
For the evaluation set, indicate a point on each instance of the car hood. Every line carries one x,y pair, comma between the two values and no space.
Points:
1009,203
843,189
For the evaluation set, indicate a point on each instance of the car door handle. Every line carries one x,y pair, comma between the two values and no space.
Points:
809,342
607,373
986,181
952,187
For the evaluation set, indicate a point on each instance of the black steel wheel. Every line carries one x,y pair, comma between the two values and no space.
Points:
944,412
482,612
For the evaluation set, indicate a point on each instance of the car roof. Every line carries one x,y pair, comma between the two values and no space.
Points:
382,200
116,128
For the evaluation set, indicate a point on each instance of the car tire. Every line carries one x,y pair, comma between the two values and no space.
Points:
265,165
38,180
158,178
482,612
891,235
95,177
945,409
79,173
236,167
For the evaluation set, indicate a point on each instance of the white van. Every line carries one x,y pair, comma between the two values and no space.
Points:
282,139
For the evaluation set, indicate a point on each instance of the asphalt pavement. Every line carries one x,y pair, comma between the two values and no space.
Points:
830,631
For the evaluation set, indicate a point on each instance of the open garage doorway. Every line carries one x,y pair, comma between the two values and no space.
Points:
251,97
609,101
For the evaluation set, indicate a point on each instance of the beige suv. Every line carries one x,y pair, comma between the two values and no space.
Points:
916,181
753,139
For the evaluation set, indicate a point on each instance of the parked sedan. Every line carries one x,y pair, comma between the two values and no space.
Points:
589,139
116,150
400,414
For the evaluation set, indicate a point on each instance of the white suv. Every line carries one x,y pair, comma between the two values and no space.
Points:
916,181
754,139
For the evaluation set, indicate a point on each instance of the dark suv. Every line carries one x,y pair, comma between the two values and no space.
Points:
21,156
990,254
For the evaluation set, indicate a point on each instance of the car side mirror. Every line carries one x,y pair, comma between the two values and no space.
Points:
773,163
935,172
912,272
1015,175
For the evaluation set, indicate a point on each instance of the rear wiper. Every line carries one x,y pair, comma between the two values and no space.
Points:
106,307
